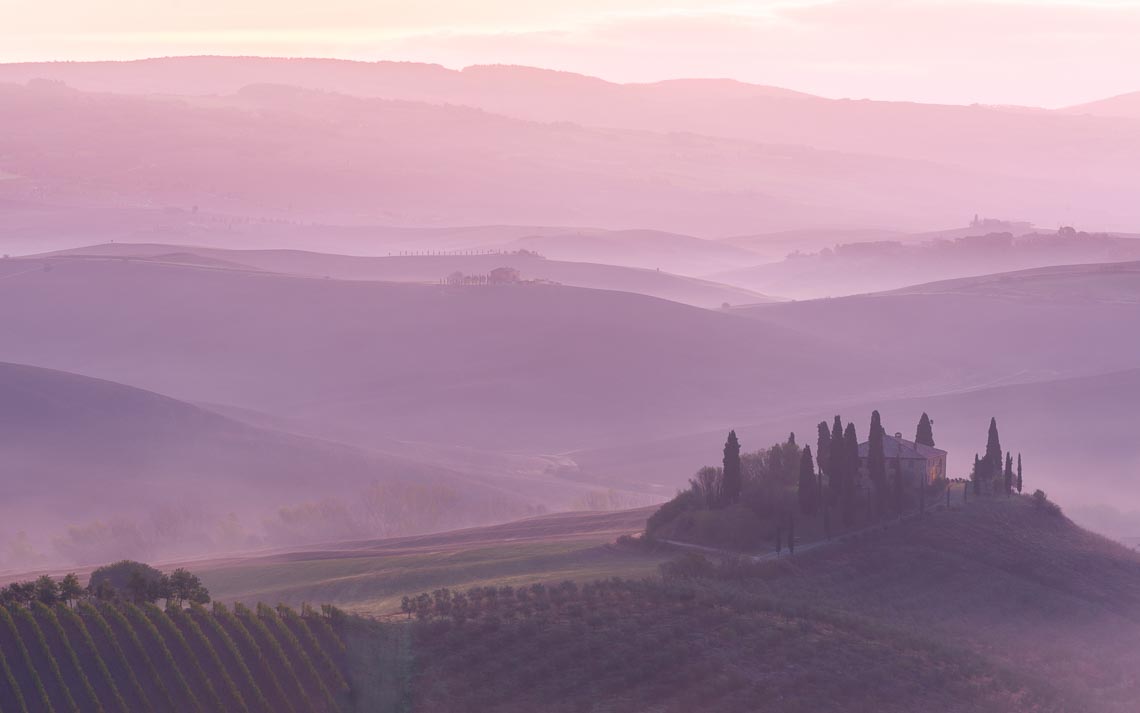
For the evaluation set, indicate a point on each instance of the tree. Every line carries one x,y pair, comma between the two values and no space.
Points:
976,474
836,470
877,461
792,536
732,482
707,485
70,591
47,591
1019,474
925,433
138,588
822,453
187,587
850,474
136,581
807,483
1007,475
19,593
992,459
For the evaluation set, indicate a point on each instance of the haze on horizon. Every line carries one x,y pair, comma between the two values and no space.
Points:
1048,53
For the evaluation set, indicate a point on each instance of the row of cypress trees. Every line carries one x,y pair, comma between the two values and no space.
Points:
837,481
989,475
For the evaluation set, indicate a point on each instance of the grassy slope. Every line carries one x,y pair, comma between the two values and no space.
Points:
622,646
992,606
1027,590
371,577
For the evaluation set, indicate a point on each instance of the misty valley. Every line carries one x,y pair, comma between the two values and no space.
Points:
332,385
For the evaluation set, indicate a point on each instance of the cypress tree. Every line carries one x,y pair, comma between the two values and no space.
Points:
877,461
992,459
732,476
850,474
976,474
822,453
1008,475
1019,474
807,483
836,470
925,433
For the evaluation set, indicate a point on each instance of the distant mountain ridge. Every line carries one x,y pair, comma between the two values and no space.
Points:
870,164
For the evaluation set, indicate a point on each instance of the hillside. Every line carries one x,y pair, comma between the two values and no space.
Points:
973,148
369,577
1019,314
997,605
303,156
988,346
858,267
95,469
1120,106
533,368
1024,588
123,657
433,268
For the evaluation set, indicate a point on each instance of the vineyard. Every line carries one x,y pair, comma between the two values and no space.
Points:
126,658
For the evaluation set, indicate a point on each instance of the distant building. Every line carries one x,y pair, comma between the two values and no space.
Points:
919,463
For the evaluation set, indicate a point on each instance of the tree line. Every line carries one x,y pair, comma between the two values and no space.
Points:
989,475
126,581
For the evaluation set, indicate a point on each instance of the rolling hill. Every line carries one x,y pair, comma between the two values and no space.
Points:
875,266
994,605
95,470
434,268
124,657
305,156
988,159
1121,106
988,330
989,347
537,369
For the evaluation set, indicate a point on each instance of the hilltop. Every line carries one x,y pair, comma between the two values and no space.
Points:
436,266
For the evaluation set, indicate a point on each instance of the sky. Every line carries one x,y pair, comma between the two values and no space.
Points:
1031,52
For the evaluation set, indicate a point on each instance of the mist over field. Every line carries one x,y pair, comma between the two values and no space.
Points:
520,379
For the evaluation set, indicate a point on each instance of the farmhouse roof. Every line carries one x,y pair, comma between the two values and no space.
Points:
897,446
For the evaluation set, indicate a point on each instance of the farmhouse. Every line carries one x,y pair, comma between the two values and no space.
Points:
918,462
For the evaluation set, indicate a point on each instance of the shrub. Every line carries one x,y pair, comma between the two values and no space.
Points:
690,565
685,501
1041,502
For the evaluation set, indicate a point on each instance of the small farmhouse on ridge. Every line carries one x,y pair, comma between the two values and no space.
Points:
918,462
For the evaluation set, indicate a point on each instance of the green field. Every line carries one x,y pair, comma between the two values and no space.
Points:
370,578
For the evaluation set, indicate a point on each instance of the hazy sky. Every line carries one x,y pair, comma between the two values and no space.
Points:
1043,52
